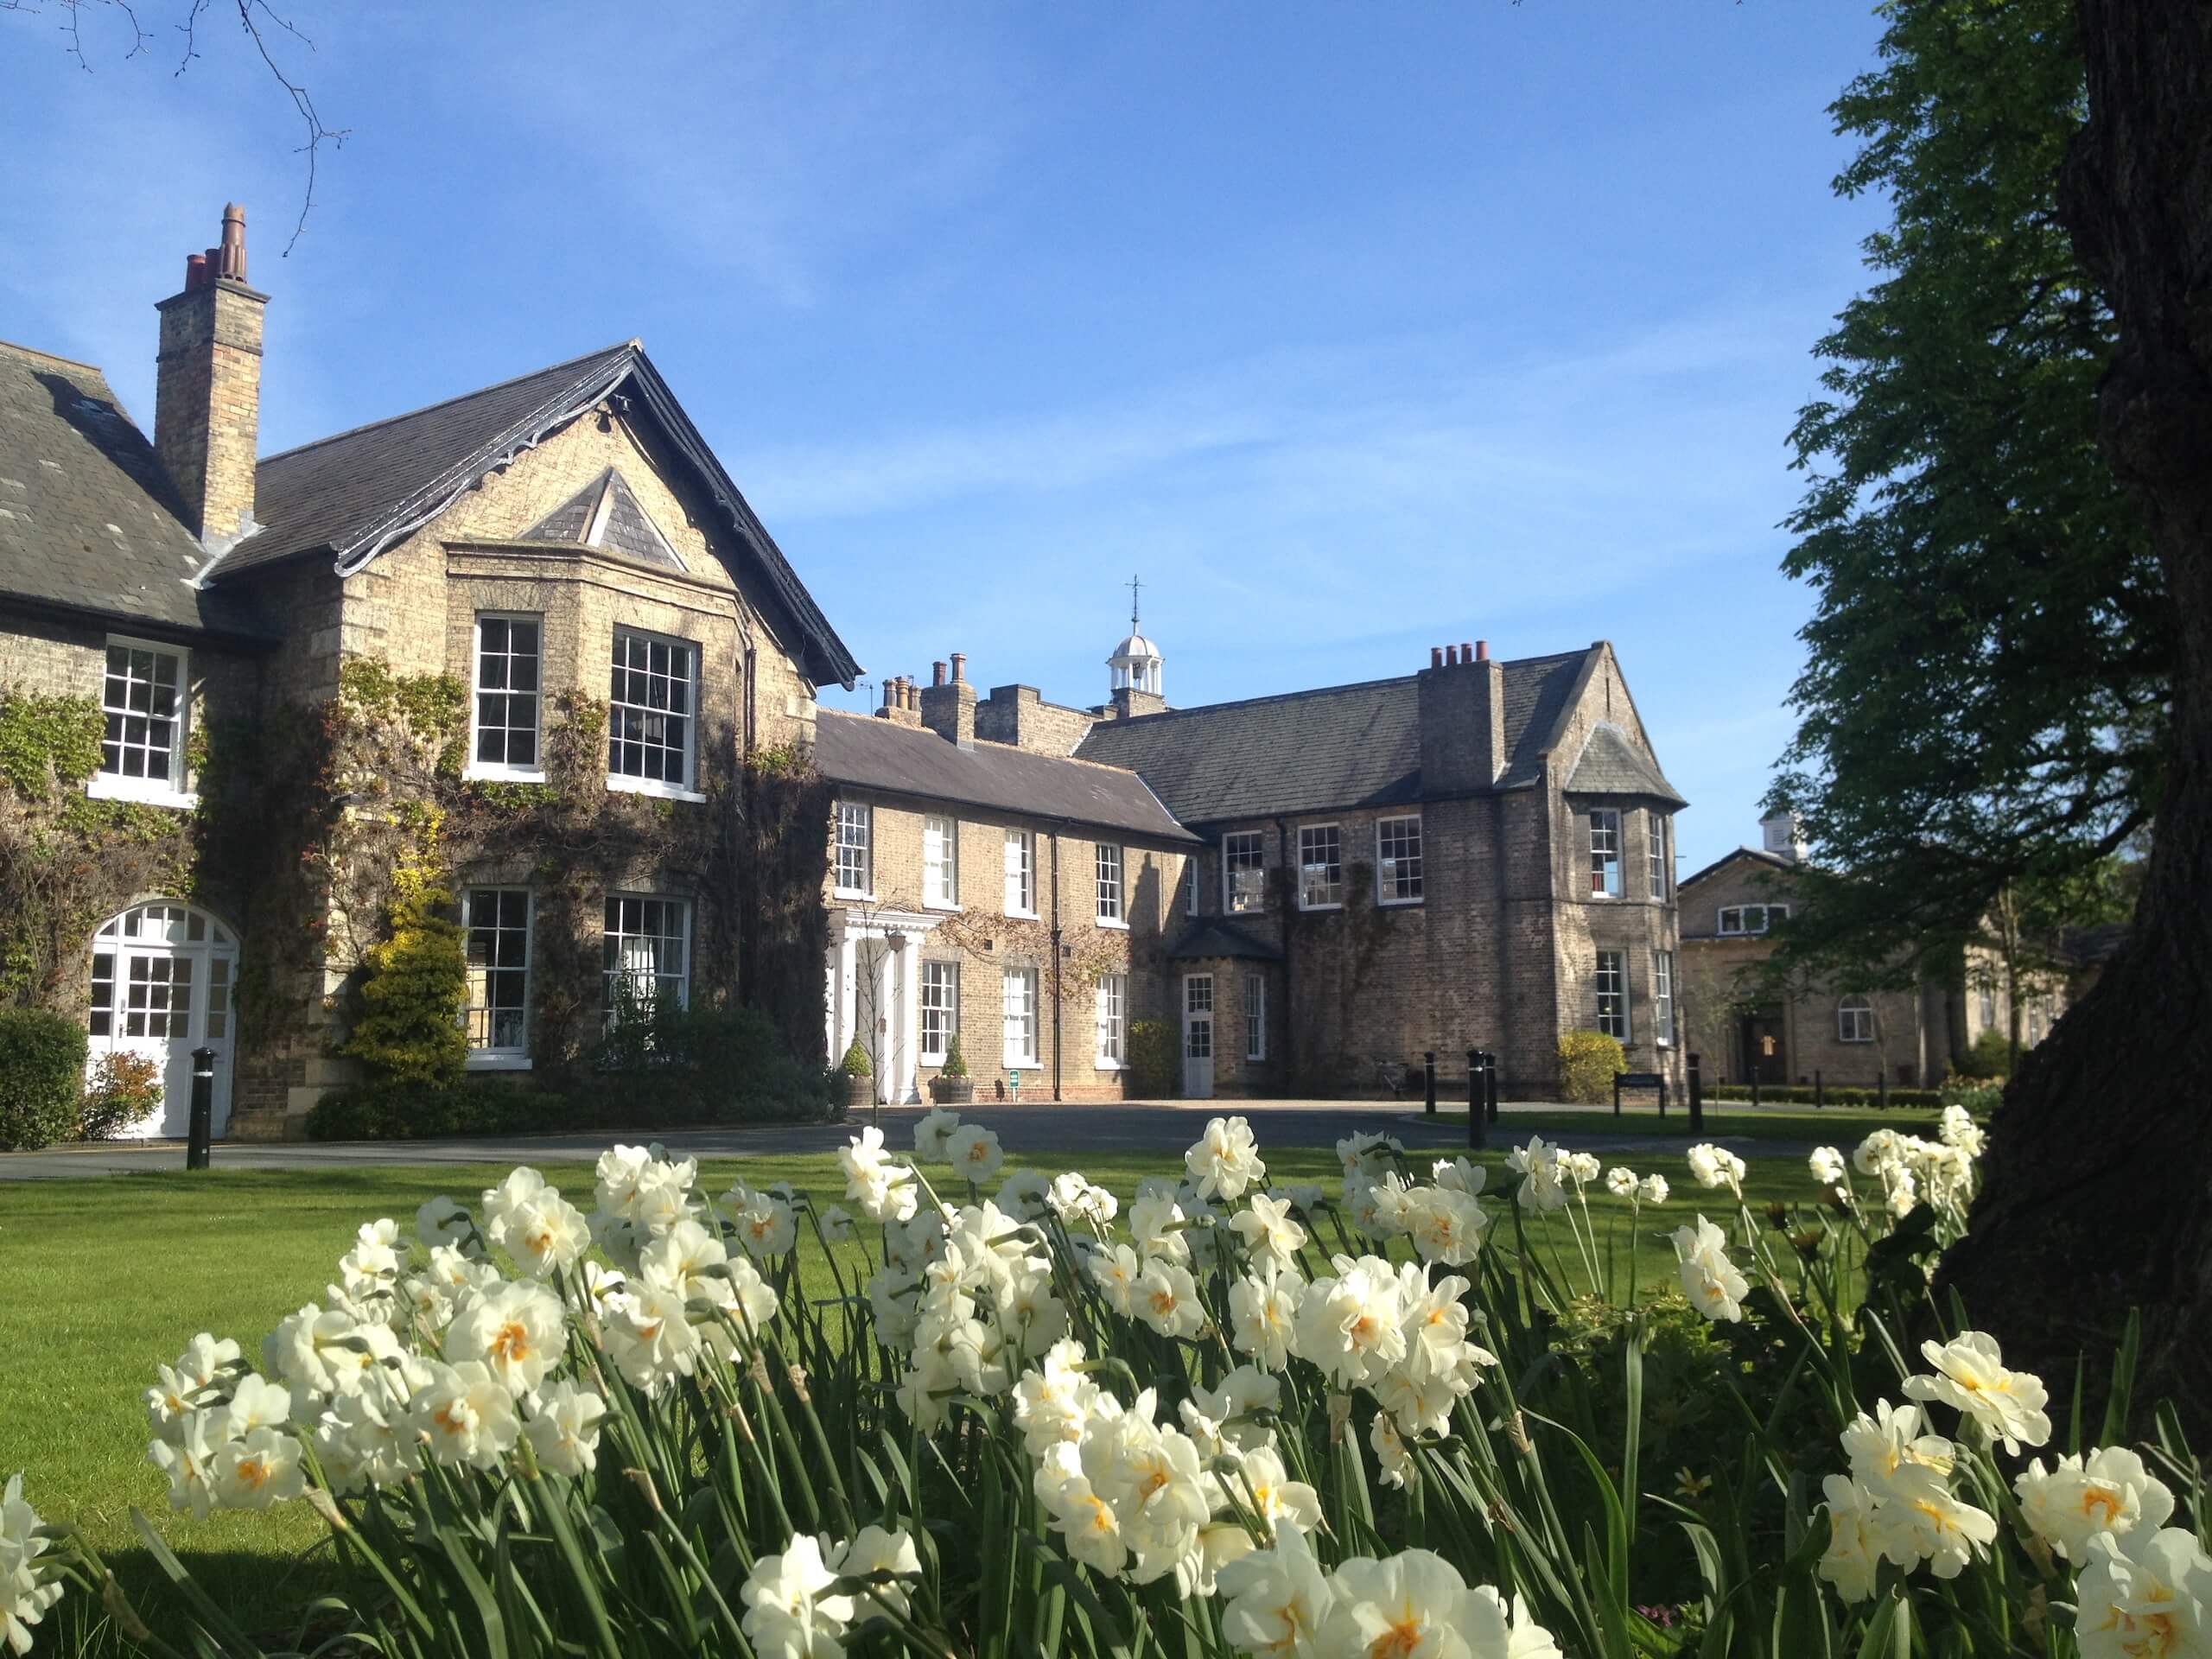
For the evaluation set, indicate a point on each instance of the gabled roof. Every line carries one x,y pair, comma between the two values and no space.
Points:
351,496
87,519
1342,745
624,527
1610,765
873,754
1756,855
1220,939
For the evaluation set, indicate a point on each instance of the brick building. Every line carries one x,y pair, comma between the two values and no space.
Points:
1743,1029
533,641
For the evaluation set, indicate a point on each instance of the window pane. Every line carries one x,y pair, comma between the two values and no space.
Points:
649,705
1398,862
141,696
498,922
645,954
1243,866
507,691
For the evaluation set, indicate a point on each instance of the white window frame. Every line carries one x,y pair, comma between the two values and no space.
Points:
1769,914
1388,875
1018,1013
939,997
1192,869
1616,1022
1020,898
608,976
1654,848
1854,1019
940,862
1111,1017
1255,1016
1605,878
1108,865
500,770
1305,900
1663,998
857,817
175,790
499,1057
1233,904
624,783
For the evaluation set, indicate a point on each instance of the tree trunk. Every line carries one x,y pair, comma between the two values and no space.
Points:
2099,1189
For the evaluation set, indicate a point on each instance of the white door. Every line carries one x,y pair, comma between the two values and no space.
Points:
1197,1036
162,975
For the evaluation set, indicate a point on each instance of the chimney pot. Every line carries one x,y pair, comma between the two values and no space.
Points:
1451,656
1482,650
937,673
233,252
1436,656
195,270
913,696
959,666
1466,650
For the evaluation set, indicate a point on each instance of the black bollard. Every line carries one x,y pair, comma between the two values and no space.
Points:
1820,1092
1477,1119
202,1130
1697,1099
1489,1084
1429,1081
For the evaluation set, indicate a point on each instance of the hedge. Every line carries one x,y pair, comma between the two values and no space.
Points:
1794,1094
41,1077
1588,1063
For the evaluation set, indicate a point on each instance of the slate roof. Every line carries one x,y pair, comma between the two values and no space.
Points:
1610,765
629,529
87,519
352,495
881,755
1756,855
1217,938
1342,745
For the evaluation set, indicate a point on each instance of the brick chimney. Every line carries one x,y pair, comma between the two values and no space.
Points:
899,706
949,707
208,388
1462,719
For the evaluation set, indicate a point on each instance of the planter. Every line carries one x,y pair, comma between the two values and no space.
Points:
952,1091
860,1090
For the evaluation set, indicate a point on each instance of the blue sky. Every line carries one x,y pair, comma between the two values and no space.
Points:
1353,330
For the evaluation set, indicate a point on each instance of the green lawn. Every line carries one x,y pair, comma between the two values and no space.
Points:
109,1277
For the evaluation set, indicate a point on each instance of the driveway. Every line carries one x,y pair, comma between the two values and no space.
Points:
1032,1133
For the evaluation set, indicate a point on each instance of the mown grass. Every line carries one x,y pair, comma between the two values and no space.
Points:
109,1276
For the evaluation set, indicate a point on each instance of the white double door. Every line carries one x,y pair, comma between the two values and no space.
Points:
1197,1036
163,979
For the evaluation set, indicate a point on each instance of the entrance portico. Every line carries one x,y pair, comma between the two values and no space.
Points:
874,991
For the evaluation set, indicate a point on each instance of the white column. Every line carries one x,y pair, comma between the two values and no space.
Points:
882,1012
829,1010
910,1016
848,983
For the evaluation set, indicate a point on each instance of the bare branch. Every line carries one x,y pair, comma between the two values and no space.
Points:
316,132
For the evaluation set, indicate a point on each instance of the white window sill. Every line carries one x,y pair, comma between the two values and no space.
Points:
933,1059
621,784
1022,915
1399,904
1118,927
1023,1066
105,786
949,910
483,1060
853,893
1338,904
482,774
1245,910
1109,1065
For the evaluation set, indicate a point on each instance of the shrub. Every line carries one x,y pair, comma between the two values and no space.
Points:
1588,1063
1799,1094
125,1090
417,986
1989,1056
856,1062
1151,1053
1979,1095
956,1062
41,1077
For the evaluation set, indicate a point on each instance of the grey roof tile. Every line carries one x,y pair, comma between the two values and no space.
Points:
873,753
1219,938
87,519
1341,746
1610,765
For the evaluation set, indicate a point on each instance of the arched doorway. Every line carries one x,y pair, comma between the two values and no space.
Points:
163,978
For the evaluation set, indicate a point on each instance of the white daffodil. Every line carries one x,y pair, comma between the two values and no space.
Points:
1352,1325
23,1596
974,1151
563,1429
1394,1464
1410,1605
1460,1175
1652,1189
870,1552
186,1385
1263,1316
1090,1529
1892,1446
836,1224
1277,1599
1494,1631
1165,1298
465,1415
518,1332
766,1226
2108,1491
2145,1595
1052,1403
788,1612
1971,1376
1716,1166
1270,1233
256,1403
1620,1181
1363,1154
1709,1279
189,1460
1828,1166
1026,1194
443,1222
1225,1159
1445,1226
1854,1555
1075,1199
1234,1405
933,1131
1956,1128
363,1441
261,1468
1943,1531
1539,1169
543,1234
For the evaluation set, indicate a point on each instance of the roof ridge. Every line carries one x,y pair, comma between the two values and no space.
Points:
442,402
1323,690
990,742
52,357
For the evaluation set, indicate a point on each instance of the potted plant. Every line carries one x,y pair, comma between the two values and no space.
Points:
952,1086
860,1076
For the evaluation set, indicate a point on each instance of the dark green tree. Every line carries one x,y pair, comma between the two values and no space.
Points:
1982,702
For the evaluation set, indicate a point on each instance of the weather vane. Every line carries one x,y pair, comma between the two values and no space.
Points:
1133,585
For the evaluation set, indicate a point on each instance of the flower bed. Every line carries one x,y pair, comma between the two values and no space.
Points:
1222,1419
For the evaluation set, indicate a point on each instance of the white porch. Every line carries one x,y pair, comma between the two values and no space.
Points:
874,990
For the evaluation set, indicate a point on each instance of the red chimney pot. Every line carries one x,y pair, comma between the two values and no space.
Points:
937,673
1482,650
1436,656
